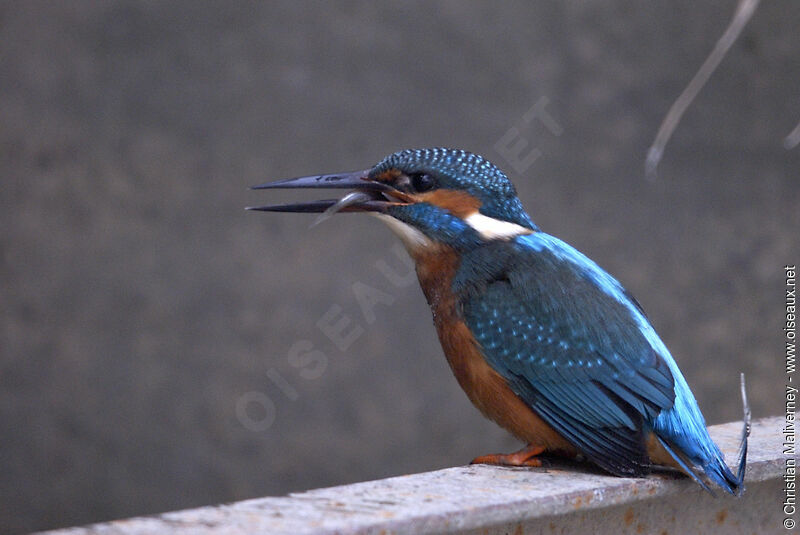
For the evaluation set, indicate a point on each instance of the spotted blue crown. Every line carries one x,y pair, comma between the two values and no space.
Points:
465,171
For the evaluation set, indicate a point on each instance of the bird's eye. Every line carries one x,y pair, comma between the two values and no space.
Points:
422,182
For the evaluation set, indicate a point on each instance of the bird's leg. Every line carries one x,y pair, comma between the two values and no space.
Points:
524,457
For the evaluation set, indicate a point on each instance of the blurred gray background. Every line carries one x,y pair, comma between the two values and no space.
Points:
148,324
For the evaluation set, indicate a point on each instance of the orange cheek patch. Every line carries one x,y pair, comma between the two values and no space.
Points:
459,203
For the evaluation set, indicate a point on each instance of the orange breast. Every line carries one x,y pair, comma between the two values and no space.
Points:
487,390
658,455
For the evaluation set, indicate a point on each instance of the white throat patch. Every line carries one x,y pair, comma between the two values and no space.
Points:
489,228
412,238
495,229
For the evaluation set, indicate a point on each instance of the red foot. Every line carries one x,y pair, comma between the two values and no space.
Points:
524,457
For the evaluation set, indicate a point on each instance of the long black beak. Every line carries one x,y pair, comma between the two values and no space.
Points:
367,196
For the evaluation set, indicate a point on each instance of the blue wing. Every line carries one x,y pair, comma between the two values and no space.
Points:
572,344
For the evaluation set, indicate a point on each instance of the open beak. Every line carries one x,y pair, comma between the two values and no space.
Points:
366,195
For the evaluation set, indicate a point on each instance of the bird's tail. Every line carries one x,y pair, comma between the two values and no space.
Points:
714,464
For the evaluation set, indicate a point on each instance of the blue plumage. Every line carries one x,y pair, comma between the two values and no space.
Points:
463,171
563,336
580,351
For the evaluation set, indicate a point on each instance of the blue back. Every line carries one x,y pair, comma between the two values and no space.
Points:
579,350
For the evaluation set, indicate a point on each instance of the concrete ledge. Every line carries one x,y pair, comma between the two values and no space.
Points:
563,498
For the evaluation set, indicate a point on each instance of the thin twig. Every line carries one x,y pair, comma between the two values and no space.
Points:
744,11
793,139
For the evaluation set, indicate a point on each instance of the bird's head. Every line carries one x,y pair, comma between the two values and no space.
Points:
427,196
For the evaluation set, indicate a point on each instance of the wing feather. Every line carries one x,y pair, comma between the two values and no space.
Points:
568,340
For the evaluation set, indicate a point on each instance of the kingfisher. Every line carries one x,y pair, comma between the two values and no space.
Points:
543,341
